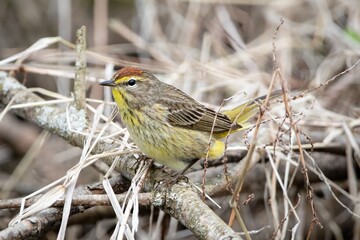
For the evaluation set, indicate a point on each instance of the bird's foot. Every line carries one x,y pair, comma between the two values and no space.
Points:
139,160
175,178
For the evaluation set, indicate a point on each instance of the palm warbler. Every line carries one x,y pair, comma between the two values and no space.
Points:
170,126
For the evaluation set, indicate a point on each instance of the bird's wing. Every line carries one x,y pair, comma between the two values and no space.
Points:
199,118
193,115
186,112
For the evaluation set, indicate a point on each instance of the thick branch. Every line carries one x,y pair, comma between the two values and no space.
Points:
185,205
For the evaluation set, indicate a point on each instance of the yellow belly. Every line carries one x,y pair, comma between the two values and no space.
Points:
172,146
176,147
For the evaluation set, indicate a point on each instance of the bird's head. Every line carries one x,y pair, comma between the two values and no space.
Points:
132,86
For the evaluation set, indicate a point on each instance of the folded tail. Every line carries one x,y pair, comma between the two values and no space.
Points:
241,114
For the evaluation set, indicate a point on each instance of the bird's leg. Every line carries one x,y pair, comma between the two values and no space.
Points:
176,177
181,174
189,166
139,160
158,166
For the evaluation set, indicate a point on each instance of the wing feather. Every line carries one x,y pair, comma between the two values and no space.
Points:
185,112
198,118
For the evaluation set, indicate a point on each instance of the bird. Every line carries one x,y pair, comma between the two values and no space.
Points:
171,127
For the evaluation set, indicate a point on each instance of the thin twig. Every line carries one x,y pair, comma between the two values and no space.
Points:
80,69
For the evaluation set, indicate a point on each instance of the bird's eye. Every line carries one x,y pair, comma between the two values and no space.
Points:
132,82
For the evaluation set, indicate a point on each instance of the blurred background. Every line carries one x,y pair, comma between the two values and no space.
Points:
210,49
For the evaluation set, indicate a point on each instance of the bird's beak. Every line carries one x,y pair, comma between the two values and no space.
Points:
109,83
